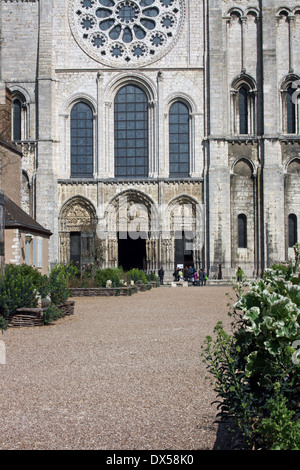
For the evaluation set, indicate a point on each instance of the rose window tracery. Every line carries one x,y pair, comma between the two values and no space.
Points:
132,31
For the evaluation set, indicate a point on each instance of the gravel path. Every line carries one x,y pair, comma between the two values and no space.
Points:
122,373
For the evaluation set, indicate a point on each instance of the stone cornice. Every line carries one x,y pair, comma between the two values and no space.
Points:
21,1
143,181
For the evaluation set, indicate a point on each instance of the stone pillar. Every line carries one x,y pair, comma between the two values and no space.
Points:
112,253
45,184
64,247
218,175
273,180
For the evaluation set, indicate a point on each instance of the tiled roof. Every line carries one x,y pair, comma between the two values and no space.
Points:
16,217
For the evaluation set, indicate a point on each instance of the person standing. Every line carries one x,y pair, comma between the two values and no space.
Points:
195,278
204,277
161,274
201,277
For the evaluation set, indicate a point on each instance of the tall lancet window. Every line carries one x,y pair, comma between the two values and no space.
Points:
19,117
243,110
293,236
290,93
179,140
243,106
290,111
131,132
82,141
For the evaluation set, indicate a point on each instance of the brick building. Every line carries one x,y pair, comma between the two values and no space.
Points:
164,132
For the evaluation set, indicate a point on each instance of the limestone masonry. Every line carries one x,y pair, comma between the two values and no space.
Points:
158,132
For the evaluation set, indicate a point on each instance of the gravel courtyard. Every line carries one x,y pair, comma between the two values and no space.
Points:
121,373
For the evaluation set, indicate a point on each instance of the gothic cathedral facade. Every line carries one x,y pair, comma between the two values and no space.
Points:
158,132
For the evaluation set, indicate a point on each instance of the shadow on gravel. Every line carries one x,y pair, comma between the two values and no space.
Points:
228,438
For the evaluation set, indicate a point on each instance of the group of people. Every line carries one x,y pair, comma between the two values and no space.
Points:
189,274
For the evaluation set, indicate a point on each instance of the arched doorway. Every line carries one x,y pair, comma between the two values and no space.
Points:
130,241
77,226
186,225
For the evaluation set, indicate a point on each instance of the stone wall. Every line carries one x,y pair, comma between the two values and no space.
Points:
221,45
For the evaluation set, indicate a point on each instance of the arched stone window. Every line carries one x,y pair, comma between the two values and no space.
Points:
243,109
290,112
17,125
243,106
179,140
292,203
19,117
82,141
243,214
293,231
290,105
131,132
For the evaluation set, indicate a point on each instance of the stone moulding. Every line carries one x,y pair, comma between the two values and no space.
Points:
21,1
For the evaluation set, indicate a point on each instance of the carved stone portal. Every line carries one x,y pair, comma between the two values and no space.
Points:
77,216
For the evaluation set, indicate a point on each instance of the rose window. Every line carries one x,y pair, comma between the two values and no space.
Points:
133,32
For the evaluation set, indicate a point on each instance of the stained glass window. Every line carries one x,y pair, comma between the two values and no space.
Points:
179,138
82,141
290,112
131,132
17,119
243,109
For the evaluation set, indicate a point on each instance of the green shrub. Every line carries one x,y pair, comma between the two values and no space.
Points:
26,271
3,324
256,380
109,274
151,277
51,314
18,288
58,282
279,430
136,275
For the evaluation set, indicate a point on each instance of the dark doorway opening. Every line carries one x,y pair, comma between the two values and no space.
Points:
75,248
131,252
81,248
184,254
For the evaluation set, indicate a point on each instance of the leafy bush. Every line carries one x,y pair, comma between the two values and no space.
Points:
26,271
256,380
50,314
17,289
109,274
3,324
279,430
137,275
58,282
151,277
